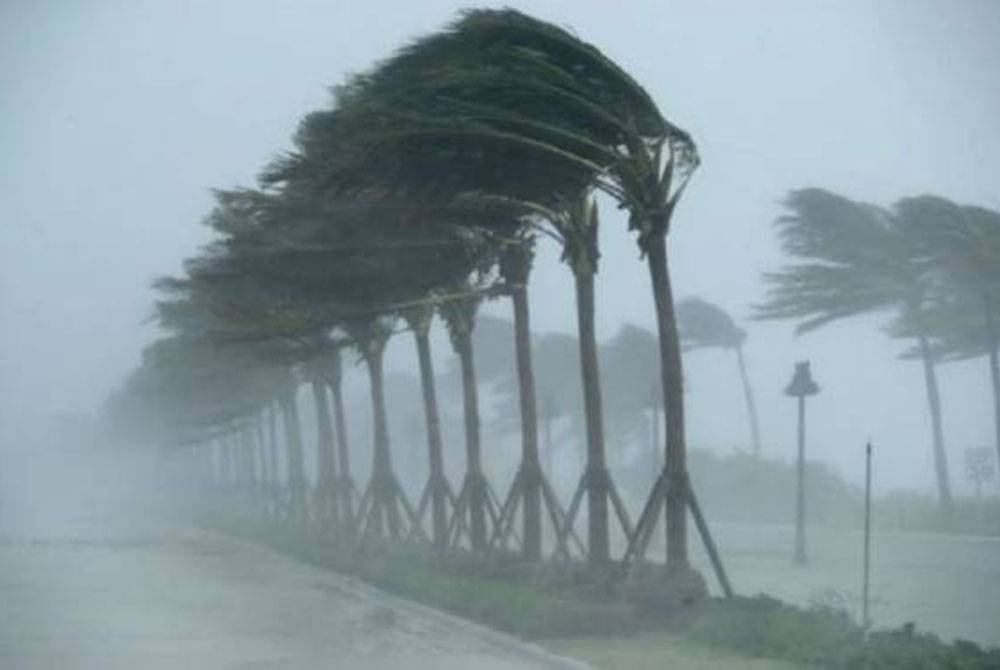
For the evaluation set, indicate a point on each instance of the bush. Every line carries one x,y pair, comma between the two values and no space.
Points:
765,627
824,637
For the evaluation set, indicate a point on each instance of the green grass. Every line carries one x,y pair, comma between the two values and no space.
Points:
658,650
521,609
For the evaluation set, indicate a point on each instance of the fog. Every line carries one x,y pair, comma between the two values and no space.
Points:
117,118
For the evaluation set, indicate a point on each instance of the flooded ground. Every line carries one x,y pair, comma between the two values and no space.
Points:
947,584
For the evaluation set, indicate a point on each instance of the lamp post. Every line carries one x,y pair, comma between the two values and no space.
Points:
801,386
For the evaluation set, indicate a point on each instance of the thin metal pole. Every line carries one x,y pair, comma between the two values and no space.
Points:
800,493
865,619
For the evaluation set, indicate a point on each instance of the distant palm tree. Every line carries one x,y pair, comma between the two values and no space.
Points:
962,247
704,325
627,360
854,258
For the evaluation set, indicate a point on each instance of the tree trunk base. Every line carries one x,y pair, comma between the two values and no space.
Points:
635,553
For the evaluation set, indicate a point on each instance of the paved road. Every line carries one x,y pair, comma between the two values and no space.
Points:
83,584
192,599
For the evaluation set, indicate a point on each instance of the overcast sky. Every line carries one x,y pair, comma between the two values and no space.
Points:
117,117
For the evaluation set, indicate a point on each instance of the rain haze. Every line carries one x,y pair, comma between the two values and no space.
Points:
117,119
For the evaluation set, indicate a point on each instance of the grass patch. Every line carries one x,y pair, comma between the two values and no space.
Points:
824,637
658,651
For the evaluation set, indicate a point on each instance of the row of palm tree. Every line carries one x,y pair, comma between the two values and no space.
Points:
930,263
420,191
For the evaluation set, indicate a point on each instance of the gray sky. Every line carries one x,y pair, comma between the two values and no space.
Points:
117,117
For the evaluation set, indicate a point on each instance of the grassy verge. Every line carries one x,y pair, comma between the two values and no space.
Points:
656,651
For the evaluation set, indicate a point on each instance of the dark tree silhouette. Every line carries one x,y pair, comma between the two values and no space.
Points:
979,467
499,82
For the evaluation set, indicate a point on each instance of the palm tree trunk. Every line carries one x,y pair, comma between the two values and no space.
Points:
227,461
934,402
272,452
675,452
265,471
474,466
751,405
252,472
382,491
333,380
293,446
549,447
532,547
991,344
241,460
325,454
597,472
656,459
439,511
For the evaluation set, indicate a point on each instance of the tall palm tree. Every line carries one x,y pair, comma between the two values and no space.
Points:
190,391
501,81
853,258
578,232
237,291
461,183
330,369
459,315
962,247
515,261
704,325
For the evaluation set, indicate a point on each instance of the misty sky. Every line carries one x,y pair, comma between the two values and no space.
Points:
117,117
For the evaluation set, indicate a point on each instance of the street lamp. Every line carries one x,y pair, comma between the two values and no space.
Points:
801,386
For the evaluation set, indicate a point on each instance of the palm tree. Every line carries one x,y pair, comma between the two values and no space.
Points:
498,82
854,258
514,263
578,232
458,191
459,316
704,325
500,88
962,246
238,290
330,369
189,391
374,269
200,316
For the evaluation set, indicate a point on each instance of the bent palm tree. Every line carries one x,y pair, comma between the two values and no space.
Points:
498,83
854,259
704,325
962,247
